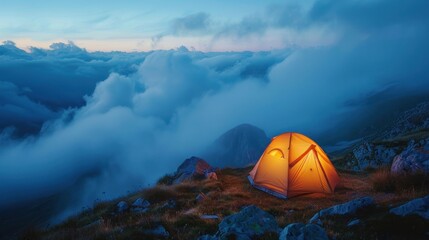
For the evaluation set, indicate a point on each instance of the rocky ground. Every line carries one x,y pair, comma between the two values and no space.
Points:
230,208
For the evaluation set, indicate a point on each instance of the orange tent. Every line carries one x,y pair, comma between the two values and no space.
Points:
293,164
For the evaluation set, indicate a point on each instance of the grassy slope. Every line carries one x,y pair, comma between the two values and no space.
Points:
226,196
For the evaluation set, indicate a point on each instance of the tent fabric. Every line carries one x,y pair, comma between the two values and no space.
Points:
292,165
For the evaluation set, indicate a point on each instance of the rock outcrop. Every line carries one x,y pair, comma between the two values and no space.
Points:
395,143
419,206
140,205
192,168
343,209
369,155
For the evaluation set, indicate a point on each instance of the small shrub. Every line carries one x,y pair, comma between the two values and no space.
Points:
383,181
187,188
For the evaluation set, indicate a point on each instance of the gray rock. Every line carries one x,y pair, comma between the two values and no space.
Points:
191,168
413,159
200,197
353,223
140,203
121,207
364,153
299,231
342,209
158,231
250,222
419,206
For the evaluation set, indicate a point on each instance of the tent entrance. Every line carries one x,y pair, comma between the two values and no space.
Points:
307,174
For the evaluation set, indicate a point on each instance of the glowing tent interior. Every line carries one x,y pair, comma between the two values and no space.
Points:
292,165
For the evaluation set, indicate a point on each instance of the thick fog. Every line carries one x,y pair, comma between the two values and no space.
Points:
103,124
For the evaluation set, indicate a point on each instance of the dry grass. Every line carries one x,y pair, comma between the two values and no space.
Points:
166,179
416,184
224,197
159,193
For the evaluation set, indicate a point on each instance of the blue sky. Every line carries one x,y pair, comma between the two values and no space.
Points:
128,25
203,25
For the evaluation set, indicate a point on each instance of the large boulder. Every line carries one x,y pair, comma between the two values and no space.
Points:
247,224
192,168
238,147
414,158
343,209
419,206
299,231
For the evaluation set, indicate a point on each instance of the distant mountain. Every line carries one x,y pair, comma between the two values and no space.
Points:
238,147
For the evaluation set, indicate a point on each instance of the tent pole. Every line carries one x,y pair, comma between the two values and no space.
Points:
323,170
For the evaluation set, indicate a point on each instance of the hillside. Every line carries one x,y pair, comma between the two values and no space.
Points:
176,209
410,130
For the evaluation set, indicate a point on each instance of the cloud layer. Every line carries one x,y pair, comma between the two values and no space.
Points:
127,132
35,86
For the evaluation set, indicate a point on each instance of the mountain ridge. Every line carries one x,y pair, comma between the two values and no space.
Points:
237,147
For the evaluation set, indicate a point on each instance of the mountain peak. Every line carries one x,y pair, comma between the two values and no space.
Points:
239,146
